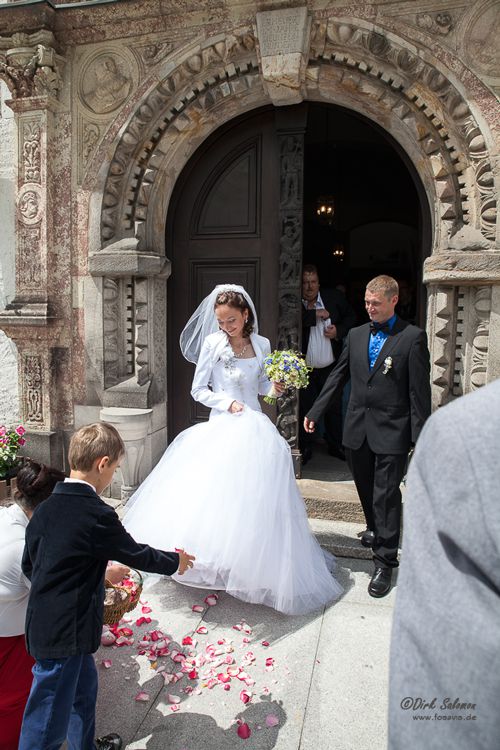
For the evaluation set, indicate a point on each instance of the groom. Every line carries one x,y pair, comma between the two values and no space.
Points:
388,363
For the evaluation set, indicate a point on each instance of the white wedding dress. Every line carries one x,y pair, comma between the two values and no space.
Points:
225,492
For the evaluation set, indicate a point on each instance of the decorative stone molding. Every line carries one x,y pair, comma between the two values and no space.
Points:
133,426
441,311
291,148
479,355
283,37
32,389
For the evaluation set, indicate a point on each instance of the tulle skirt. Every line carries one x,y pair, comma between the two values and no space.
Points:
225,492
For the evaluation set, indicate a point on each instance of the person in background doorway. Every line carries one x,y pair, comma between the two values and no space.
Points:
327,318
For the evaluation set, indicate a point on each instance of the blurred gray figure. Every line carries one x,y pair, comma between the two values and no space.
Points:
445,650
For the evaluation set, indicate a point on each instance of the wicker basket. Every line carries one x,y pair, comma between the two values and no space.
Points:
114,612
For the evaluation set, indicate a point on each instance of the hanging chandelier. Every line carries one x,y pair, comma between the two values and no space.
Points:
338,251
325,209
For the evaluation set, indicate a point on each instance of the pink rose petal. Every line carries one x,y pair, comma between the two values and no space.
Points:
146,610
193,674
187,641
106,663
265,643
269,661
272,720
245,696
108,638
175,707
233,671
142,697
227,686
198,608
173,698
211,600
244,731
202,630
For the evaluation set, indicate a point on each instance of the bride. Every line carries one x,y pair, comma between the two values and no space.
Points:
225,489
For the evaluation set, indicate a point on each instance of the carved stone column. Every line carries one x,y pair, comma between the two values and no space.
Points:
31,68
291,126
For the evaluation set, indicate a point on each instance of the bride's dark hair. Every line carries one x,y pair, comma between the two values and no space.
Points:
236,299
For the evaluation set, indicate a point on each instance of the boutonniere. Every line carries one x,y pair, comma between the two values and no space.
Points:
387,365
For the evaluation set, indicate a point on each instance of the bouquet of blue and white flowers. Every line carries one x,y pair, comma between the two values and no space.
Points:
287,367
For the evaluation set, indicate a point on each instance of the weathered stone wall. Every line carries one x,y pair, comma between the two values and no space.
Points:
110,103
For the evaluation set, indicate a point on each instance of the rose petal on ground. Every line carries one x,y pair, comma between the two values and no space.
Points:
269,661
106,663
202,630
272,720
172,698
246,640
236,627
223,677
146,610
227,686
233,671
265,643
175,707
244,731
108,638
197,608
245,696
211,600
142,697
193,674
187,641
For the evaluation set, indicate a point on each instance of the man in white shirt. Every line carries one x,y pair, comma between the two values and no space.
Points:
327,317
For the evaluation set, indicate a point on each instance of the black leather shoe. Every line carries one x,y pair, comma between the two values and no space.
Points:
306,456
337,451
367,538
380,584
109,742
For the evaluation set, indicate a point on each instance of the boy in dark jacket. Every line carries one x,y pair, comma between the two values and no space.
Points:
69,540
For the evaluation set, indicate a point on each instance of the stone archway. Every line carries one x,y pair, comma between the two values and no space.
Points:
350,64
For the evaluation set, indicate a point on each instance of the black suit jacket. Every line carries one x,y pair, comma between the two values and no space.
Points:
388,410
341,314
69,540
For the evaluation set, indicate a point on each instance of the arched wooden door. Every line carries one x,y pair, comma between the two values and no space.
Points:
223,226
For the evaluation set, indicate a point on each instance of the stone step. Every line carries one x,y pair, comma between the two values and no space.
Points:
336,501
340,538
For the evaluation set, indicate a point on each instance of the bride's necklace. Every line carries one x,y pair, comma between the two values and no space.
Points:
241,352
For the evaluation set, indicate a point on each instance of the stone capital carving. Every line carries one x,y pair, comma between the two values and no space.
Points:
284,37
123,259
29,67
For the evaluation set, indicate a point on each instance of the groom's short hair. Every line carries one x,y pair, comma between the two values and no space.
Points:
383,284
92,442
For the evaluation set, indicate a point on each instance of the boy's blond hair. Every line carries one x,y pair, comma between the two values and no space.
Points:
92,442
383,284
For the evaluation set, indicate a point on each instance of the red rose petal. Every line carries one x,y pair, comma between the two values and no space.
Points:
244,731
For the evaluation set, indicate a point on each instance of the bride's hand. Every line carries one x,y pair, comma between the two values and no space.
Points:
279,388
235,407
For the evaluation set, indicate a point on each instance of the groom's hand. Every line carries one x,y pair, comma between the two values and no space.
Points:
185,561
309,425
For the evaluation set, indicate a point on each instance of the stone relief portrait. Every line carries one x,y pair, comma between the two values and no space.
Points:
106,84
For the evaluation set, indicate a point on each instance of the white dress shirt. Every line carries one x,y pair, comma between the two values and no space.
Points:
14,586
319,349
